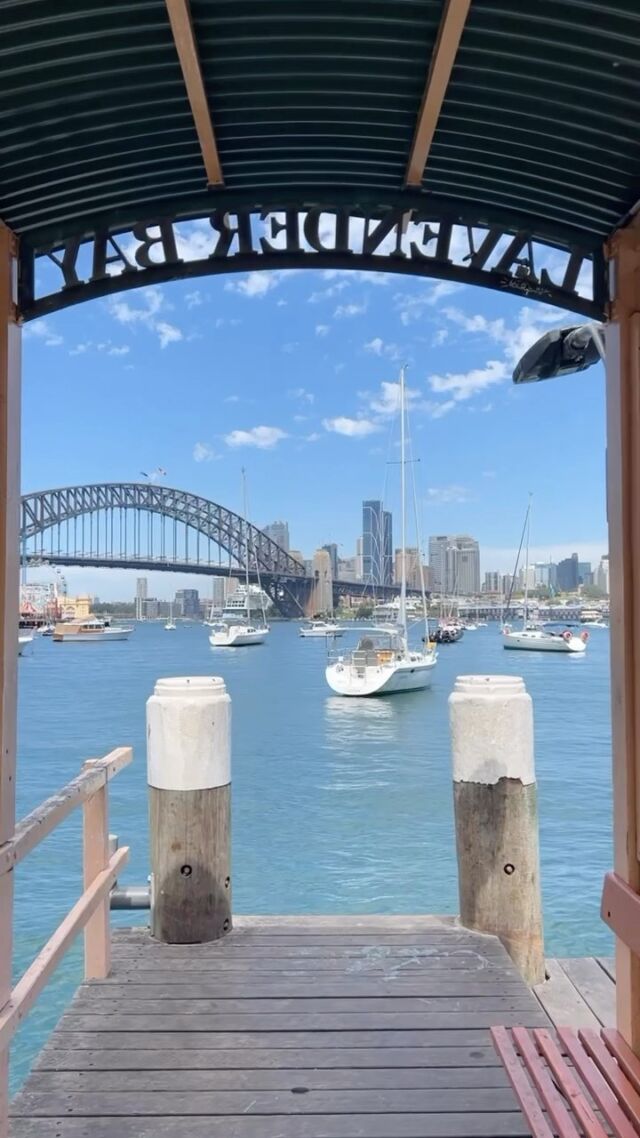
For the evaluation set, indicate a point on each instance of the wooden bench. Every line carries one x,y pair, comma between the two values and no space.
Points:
579,1083
557,1098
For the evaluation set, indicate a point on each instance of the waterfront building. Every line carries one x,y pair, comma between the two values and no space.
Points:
332,550
75,608
602,574
347,569
585,574
377,543
412,562
187,603
455,564
151,608
278,532
568,576
492,583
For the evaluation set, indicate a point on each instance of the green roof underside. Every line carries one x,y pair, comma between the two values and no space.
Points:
315,101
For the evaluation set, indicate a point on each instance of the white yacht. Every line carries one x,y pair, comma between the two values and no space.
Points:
236,629
531,637
382,662
24,640
322,628
592,618
170,626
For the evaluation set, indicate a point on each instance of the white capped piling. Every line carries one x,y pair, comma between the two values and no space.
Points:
189,777
496,815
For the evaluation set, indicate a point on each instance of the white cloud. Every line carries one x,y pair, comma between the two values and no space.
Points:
448,494
378,347
121,350
193,299
202,452
412,306
259,283
352,428
313,437
440,337
146,315
167,333
322,329
330,292
387,401
463,385
350,310
108,348
42,330
301,394
262,437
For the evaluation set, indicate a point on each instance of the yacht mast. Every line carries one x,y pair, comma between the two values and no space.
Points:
246,543
402,613
526,567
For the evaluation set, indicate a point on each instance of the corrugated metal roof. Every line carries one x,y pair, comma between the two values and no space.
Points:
314,101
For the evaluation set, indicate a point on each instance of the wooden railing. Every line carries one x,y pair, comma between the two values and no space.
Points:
91,910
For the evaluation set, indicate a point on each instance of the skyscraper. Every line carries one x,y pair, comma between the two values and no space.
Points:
412,567
568,574
377,544
188,602
602,574
278,532
141,597
455,564
332,550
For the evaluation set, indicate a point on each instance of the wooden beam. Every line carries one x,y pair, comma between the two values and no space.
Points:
623,510
10,338
184,39
444,54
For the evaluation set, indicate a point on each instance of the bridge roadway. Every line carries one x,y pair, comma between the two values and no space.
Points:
289,1027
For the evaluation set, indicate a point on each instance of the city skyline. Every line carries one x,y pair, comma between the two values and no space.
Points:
316,435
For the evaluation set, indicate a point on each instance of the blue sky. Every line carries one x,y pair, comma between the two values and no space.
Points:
284,373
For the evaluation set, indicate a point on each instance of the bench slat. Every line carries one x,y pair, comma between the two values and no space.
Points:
596,1084
520,1083
551,1097
615,1077
621,1051
568,1084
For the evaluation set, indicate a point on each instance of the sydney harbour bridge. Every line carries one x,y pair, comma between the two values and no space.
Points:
145,526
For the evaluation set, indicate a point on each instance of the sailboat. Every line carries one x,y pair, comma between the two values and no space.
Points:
382,662
240,633
530,637
170,626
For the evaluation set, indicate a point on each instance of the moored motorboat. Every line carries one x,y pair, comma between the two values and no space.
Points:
240,635
448,632
92,630
25,639
322,628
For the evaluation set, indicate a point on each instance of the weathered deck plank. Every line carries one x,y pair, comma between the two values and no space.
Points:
309,1028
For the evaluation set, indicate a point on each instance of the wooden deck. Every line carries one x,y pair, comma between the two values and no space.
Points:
579,992
289,1028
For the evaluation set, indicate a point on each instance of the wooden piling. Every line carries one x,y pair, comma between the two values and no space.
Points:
496,816
188,760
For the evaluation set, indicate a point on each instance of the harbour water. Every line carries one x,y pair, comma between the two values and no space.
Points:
339,806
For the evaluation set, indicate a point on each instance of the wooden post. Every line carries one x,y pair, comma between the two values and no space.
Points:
188,764
496,816
95,834
623,511
10,343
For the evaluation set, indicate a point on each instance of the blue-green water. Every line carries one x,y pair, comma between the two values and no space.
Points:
338,805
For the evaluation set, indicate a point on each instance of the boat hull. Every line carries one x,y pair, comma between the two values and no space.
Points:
527,643
320,633
107,634
24,643
240,640
349,680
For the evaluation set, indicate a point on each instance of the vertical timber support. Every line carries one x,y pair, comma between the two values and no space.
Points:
623,510
10,344
95,841
496,816
189,776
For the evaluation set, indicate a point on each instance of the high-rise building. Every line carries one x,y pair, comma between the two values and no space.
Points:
141,597
546,573
187,603
412,567
585,575
567,575
602,574
455,564
297,555
348,569
491,583
359,570
332,550
377,544
278,532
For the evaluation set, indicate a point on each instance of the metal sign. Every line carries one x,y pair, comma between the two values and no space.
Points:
395,240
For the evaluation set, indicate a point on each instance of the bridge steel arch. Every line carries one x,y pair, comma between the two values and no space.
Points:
47,508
